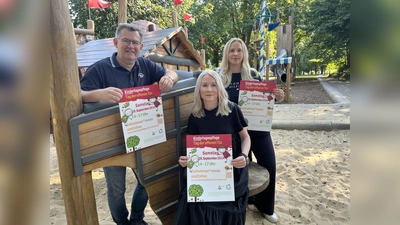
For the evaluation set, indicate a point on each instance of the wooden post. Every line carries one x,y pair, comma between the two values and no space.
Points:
288,83
174,19
186,33
293,48
90,26
203,55
122,11
255,60
267,58
66,102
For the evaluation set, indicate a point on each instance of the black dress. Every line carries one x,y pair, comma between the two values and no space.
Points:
217,213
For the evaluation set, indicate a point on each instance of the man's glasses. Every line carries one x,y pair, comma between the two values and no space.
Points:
127,42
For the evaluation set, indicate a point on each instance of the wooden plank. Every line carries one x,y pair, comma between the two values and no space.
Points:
186,110
184,122
158,186
169,115
99,123
155,152
186,106
166,197
162,193
100,147
101,136
167,218
168,103
127,160
186,98
160,164
160,157
171,126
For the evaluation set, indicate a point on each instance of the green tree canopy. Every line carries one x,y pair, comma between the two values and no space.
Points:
321,27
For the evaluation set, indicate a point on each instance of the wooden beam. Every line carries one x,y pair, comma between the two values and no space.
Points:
203,55
90,26
288,83
174,19
83,31
254,48
66,102
258,40
122,9
267,58
173,60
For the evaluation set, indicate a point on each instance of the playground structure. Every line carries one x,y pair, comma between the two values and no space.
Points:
90,136
86,34
283,66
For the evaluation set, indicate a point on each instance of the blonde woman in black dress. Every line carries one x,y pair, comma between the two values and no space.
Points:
213,113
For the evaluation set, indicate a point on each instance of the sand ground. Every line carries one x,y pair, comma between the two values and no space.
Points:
313,181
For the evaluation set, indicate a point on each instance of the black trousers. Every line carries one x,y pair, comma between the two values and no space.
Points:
263,149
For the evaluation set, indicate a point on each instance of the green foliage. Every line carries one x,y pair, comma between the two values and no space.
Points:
321,27
322,32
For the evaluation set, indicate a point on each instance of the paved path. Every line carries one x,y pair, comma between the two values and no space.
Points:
339,91
317,116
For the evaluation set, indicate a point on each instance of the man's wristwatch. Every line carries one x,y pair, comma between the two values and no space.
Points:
246,157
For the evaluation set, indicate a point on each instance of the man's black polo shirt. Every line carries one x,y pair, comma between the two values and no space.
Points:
109,73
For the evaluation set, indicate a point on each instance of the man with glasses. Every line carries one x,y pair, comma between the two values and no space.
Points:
103,81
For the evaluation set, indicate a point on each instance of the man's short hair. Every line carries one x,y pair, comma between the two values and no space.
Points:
129,27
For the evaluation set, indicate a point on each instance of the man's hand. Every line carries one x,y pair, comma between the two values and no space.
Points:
110,94
168,80
166,83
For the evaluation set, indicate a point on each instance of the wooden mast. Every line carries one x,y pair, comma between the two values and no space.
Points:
122,11
66,102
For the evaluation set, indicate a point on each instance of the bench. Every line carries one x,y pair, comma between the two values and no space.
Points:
97,141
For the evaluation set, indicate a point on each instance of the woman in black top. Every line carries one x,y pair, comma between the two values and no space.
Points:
234,68
213,113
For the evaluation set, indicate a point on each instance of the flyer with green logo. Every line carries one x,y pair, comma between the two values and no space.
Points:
256,101
142,117
209,170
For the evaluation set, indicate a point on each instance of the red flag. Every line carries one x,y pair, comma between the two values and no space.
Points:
178,2
203,40
98,4
186,17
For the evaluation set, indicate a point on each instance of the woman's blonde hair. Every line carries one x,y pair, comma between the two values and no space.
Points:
223,100
226,72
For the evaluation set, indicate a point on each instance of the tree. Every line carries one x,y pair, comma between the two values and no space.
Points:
329,26
321,27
